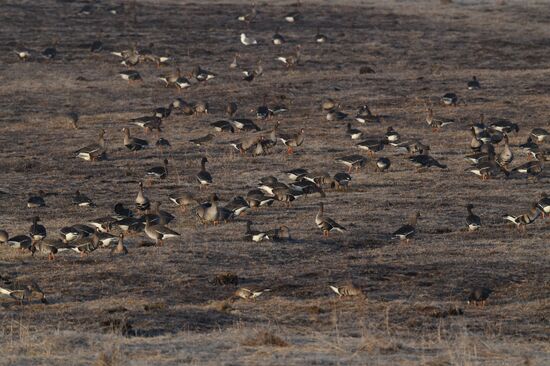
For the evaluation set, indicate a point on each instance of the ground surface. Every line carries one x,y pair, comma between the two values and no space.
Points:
419,50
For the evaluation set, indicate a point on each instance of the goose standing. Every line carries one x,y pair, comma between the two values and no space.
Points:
437,123
37,231
506,156
326,223
208,212
203,176
473,221
120,249
93,152
142,202
158,232
132,143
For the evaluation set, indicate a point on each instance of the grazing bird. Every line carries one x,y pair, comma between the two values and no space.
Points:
473,221
449,99
159,172
292,140
130,75
347,291
142,202
247,41
249,294
364,115
277,38
352,161
93,152
382,164
436,123
525,219
353,133
204,177
544,205
254,235
424,161
407,231
319,37
37,231
158,232
36,201
199,141
72,117
479,296
208,211
540,134
474,84
182,200
82,200
132,143
23,291
231,109
326,224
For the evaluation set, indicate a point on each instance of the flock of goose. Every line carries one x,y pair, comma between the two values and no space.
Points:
146,218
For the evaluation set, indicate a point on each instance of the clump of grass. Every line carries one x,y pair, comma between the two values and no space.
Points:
113,358
265,338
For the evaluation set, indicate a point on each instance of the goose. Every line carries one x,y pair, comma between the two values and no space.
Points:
208,211
253,235
37,231
24,291
277,38
250,75
354,133
84,230
149,123
320,38
120,249
247,294
20,242
82,200
292,140
503,125
121,211
231,109
93,152
480,126
539,134
336,115
163,112
162,143
529,147
531,168
449,99
474,84
142,202
182,200
543,205
525,219
475,143
328,104
96,46
170,79
437,122
486,152
84,246
103,224
352,161
132,143
506,156
182,83
382,164
234,64
257,198
473,221
371,146
244,124
200,107
291,60
412,147
163,217
203,176
24,53
69,233
72,118
263,111
36,201
247,41
326,223
282,233
284,195
201,74
49,53
424,161
199,141
159,232
159,172
392,136
406,232
130,225
249,17
295,174
4,237
343,180
105,239
347,291
130,75
479,296
51,248
293,17
237,205
222,125
364,115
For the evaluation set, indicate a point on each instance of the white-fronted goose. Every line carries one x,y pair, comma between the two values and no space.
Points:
204,177
237,205
244,124
479,295
223,125
165,217
171,78
319,37
293,140
371,146
159,232
149,123
506,156
282,233
525,219
36,201
120,249
82,200
352,161
392,136
182,83
412,147
328,104
132,143
103,224
291,60
105,239
50,247
201,74
200,107
247,41
20,242
406,232
37,231
364,115
326,223
343,180
257,198
162,143
544,204
425,161
23,291
93,152
475,142
253,235
293,17
347,291
208,211
449,99
4,237
354,133
142,202
295,174
159,172
474,84
68,233
437,123
248,17
121,211
199,141
96,46
72,118
84,246
130,75
382,164
502,125
247,294
531,168
277,38
234,64
49,53
84,230
473,221
231,109
336,115
182,200
529,147
540,134
24,53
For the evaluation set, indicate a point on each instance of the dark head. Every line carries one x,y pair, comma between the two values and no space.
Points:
165,161
214,197
475,79
35,219
390,129
469,206
543,195
204,160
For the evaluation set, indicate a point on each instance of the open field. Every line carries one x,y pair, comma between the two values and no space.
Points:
156,306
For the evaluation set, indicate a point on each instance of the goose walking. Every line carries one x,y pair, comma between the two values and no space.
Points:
326,224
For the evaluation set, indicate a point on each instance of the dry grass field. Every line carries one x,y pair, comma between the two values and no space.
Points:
157,306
